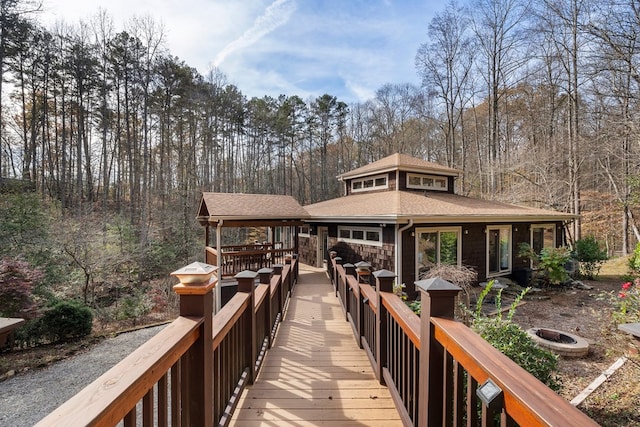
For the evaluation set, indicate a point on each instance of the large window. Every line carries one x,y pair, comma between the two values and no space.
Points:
542,236
437,246
427,182
498,250
364,235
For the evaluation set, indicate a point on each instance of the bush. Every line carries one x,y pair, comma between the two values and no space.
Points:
66,320
17,281
550,264
634,261
590,256
514,342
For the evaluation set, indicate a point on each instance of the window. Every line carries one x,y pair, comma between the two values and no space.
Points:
437,246
542,236
369,183
427,182
365,235
498,250
304,231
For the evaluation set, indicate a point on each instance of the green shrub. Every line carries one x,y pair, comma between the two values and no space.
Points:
550,264
514,342
66,320
590,256
634,261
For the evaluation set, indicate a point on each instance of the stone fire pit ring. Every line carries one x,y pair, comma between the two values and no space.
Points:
560,342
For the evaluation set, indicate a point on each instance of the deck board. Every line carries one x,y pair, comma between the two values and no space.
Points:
315,374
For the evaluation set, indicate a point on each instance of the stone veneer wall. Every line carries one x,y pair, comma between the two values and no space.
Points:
380,257
307,247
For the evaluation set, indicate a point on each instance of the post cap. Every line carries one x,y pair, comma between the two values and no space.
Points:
437,284
384,274
265,270
246,274
196,273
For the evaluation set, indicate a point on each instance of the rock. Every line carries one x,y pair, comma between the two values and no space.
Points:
577,284
497,284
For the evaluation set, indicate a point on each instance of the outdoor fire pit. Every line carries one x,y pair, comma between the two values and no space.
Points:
560,342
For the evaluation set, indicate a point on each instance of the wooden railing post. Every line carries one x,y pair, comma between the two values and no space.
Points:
246,283
336,276
277,271
196,299
438,300
349,270
384,283
265,275
288,261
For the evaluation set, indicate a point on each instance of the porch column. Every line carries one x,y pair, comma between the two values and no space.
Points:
196,299
246,283
265,279
384,283
438,300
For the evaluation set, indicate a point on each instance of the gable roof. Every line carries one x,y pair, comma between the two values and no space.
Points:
245,207
400,162
400,206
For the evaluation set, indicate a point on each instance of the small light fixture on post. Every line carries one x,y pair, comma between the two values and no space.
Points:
491,395
197,273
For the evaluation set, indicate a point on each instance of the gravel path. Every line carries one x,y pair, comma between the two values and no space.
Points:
27,398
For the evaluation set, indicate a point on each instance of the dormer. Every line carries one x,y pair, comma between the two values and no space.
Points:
400,172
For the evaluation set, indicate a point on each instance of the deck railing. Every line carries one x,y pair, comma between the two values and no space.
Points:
237,258
193,371
433,364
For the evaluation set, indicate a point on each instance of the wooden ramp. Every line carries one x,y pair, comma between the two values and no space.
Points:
315,374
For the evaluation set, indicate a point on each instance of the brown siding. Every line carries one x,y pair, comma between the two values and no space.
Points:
474,241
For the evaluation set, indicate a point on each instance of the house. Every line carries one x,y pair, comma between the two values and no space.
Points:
402,214
399,213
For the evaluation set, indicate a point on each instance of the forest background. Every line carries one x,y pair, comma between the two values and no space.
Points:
107,140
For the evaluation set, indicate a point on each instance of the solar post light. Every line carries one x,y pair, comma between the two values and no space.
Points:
490,394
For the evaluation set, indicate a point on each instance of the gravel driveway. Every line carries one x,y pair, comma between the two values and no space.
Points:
27,398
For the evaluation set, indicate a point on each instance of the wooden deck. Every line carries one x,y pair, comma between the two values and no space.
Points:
315,374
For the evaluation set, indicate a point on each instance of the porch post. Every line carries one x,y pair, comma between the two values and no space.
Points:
246,283
384,283
196,299
438,300
338,261
265,279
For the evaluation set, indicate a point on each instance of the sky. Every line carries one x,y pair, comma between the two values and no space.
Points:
346,48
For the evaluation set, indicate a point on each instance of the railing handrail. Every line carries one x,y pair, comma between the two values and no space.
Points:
527,400
112,395
228,316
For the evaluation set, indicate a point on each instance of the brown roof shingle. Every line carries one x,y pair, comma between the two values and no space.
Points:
240,206
400,162
433,207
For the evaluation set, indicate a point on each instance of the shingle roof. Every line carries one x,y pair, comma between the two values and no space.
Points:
392,206
400,162
240,206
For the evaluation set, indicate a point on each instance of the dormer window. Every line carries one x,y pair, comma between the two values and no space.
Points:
427,182
377,182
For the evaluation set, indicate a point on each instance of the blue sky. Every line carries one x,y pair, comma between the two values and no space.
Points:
346,48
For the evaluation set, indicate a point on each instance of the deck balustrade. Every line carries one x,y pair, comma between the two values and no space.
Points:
193,371
238,258
433,364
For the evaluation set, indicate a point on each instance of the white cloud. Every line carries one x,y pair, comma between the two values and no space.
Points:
276,15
